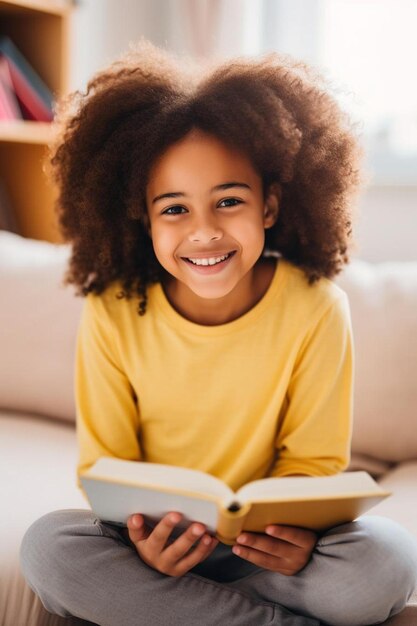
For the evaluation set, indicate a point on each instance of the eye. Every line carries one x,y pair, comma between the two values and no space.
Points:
171,208
234,201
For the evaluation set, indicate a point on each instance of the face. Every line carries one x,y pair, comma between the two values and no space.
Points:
205,201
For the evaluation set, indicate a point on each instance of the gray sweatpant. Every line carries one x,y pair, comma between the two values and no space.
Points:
359,573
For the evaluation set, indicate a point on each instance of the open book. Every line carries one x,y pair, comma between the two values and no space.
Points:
116,489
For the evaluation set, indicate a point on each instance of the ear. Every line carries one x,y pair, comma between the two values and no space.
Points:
271,205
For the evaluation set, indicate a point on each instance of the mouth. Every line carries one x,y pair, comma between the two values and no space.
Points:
204,262
213,268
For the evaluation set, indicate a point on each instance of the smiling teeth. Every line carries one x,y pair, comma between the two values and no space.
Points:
211,261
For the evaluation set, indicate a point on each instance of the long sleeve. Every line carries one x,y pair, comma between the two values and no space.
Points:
314,434
106,407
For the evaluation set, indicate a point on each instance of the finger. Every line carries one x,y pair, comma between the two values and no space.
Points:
301,537
204,547
270,545
179,548
138,531
261,559
160,534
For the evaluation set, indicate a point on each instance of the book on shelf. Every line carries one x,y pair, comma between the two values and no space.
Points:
9,106
34,97
117,488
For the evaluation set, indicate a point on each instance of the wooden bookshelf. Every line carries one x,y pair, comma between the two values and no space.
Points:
40,29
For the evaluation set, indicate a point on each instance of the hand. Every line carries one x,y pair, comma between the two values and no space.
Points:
284,549
176,558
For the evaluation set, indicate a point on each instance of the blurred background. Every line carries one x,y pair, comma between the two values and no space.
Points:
366,48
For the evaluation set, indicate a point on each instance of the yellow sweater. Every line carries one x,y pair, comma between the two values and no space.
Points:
268,394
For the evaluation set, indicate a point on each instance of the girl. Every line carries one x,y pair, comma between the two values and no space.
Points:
208,209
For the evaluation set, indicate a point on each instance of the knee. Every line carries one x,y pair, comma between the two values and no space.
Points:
41,546
392,553
380,574
35,544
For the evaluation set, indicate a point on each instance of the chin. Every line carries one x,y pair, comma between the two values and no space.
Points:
210,292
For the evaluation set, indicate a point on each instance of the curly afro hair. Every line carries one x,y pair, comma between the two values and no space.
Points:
274,109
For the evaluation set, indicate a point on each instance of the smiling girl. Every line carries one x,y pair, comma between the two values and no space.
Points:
211,244
208,211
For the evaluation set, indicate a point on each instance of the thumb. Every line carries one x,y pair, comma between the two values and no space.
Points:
138,530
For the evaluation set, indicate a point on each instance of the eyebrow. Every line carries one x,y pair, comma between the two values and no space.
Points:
181,194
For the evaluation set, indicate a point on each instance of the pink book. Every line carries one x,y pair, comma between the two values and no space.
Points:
33,107
9,107
5,113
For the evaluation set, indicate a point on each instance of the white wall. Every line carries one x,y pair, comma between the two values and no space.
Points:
102,30
387,224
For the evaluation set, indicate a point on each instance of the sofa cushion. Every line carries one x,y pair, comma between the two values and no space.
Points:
383,302
401,506
38,459
38,325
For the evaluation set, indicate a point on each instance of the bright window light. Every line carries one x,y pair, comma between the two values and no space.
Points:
370,48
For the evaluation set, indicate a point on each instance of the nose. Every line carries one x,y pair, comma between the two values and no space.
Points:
205,229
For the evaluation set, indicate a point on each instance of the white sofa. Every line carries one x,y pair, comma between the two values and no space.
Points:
38,324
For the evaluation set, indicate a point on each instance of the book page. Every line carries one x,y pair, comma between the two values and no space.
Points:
300,487
159,476
114,502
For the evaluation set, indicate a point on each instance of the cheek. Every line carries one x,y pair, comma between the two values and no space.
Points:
251,230
163,241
